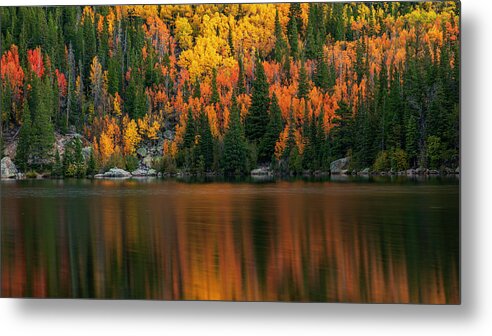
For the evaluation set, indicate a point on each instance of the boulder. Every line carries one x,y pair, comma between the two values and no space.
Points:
142,152
411,172
365,171
457,171
114,173
142,172
337,166
8,168
433,172
261,171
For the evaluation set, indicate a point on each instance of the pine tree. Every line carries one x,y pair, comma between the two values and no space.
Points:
274,128
88,47
230,41
241,89
293,35
322,75
310,157
42,128
206,142
114,71
57,168
280,44
257,118
295,17
303,88
341,133
24,144
190,131
312,49
235,146
196,90
136,100
411,140
91,165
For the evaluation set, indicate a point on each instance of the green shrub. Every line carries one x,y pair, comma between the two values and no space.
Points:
131,163
434,152
116,160
399,160
382,162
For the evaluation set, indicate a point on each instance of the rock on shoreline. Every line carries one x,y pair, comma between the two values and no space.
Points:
8,168
340,166
114,173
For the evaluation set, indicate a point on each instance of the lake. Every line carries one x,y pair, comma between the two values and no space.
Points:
381,240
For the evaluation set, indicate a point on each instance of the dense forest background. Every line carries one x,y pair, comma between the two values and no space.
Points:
227,88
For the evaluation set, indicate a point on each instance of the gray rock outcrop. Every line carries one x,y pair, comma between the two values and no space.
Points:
114,173
8,168
340,165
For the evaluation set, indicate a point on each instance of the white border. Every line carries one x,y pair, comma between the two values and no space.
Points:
473,317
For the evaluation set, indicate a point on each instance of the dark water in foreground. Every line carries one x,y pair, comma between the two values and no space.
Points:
343,241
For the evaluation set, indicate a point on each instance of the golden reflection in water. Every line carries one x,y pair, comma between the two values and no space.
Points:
281,242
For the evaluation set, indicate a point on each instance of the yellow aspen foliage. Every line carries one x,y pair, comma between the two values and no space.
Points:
153,130
106,147
117,104
149,128
131,137
184,33
88,13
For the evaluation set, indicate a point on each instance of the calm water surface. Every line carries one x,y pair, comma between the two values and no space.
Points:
336,241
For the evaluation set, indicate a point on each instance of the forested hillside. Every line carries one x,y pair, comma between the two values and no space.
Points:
227,88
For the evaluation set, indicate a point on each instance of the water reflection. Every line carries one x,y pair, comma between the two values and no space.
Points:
287,241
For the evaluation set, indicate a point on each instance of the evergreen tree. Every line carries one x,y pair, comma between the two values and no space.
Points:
280,48
196,90
91,165
274,128
411,140
89,47
190,131
310,157
241,89
303,88
293,36
136,100
257,118
314,33
114,71
341,133
322,76
235,146
24,144
206,142
102,45
295,17
42,138
57,168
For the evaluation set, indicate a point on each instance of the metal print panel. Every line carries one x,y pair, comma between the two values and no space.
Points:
247,152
